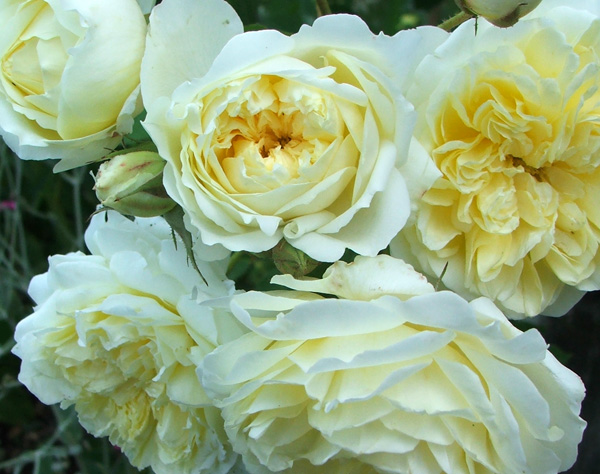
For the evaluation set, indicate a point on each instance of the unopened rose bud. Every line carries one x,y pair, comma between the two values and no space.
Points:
132,184
503,13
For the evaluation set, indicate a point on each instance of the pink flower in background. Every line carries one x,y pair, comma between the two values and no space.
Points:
9,204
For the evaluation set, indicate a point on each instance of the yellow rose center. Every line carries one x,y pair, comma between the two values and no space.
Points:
279,145
502,152
270,132
516,162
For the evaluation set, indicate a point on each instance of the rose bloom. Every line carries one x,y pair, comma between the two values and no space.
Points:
69,86
118,334
269,136
511,117
391,377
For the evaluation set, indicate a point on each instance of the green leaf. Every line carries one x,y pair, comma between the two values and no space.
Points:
175,219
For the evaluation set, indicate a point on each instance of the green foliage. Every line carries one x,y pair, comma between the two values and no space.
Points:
388,16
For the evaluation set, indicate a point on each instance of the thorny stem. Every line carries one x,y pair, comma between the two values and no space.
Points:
455,21
323,8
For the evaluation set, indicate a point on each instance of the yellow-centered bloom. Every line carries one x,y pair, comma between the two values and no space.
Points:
512,120
270,137
117,334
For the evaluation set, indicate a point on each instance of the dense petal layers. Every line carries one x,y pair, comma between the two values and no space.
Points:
393,377
512,122
268,136
118,334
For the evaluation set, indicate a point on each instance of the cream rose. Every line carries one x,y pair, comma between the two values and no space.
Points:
391,377
69,86
511,117
117,334
268,136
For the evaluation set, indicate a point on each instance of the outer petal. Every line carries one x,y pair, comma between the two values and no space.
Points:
79,113
385,276
384,216
547,5
213,22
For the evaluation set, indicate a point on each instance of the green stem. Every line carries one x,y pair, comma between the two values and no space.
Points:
323,8
76,178
455,21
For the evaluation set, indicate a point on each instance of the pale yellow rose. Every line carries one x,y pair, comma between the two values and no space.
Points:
69,83
393,377
511,117
117,334
269,137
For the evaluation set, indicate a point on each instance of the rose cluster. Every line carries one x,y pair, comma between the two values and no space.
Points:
471,159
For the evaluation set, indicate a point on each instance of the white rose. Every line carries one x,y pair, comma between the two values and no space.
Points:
394,378
70,76
511,120
268,136
117,334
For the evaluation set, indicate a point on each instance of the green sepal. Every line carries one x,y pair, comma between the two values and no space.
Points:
290,260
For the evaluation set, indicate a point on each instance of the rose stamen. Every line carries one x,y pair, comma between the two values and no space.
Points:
537,173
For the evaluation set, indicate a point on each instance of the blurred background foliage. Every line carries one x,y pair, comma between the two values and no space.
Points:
43,214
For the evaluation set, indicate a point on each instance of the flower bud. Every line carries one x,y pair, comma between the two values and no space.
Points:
502,13
132,184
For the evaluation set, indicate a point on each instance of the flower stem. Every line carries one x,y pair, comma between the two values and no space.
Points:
455,21
323,8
